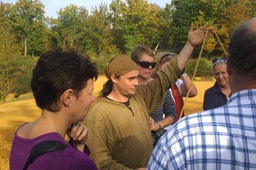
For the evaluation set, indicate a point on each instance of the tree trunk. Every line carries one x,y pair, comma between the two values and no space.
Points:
63,44
25,46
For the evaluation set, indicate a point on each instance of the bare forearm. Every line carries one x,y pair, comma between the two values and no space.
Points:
187,84
184,55
166,121
195,38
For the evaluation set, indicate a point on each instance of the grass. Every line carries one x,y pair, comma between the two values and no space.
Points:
24,109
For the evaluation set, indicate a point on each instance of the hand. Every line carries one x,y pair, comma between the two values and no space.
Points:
196,37
78,133
151,122
153,125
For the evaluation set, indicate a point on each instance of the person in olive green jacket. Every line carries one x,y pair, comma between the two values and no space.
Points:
119,132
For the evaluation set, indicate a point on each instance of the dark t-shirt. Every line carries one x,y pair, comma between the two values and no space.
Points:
213,97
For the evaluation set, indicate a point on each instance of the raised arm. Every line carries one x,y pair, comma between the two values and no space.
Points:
195,38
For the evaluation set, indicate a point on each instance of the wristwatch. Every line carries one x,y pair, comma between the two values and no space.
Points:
159,126
184,75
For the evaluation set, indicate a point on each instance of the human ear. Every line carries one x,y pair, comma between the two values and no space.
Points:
67,97
113,78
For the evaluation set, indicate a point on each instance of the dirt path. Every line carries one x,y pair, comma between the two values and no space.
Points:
14,114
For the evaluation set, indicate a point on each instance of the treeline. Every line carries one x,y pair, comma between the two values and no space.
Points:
107,30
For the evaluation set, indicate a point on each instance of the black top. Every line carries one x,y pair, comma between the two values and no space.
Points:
213,97
168,109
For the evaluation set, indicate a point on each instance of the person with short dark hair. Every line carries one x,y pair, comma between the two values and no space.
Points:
224,137
62,84
219,93
120,135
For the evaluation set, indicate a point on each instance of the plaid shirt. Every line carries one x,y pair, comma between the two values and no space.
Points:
220,139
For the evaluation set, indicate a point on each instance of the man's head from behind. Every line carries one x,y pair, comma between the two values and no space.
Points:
242,50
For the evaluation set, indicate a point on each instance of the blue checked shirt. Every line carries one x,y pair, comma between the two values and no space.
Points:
220,139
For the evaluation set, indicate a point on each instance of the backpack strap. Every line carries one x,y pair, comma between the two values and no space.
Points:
43,148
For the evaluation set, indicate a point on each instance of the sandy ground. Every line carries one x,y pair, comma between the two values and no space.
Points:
13,114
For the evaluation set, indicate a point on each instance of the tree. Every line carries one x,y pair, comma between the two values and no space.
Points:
98,31
185,12
166,29
23,16
8,52
37,39
201,12
139,23
69,24
54,40
116,18
233,15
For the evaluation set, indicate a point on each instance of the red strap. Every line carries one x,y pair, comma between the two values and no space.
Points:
178,99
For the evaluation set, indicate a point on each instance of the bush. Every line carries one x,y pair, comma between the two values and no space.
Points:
16,74
102,62
23,75
204,68
21,83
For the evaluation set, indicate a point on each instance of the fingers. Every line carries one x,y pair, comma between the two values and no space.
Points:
192,26
153,126
151,120
204,28
211,30
79,132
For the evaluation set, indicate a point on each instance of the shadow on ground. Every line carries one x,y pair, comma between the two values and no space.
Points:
14,114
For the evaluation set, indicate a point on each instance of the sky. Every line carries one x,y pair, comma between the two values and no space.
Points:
52,6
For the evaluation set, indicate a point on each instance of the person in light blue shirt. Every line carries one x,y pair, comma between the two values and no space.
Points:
224,137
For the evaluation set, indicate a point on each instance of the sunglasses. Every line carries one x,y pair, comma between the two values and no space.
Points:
222,60
146,64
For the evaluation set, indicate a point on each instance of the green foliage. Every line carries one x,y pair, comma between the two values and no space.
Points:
106,31
231,16
37,39
8,52
214,12
185,12
16,74
13,67
203,70
68,26
21,84
23,16
166,30
102,62
136,22
97,36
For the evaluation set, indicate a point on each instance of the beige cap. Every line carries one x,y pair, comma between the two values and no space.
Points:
120,65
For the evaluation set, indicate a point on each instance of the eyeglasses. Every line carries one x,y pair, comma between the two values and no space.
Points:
146,64
216,61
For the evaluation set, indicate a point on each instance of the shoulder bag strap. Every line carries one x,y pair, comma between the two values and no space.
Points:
43,148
